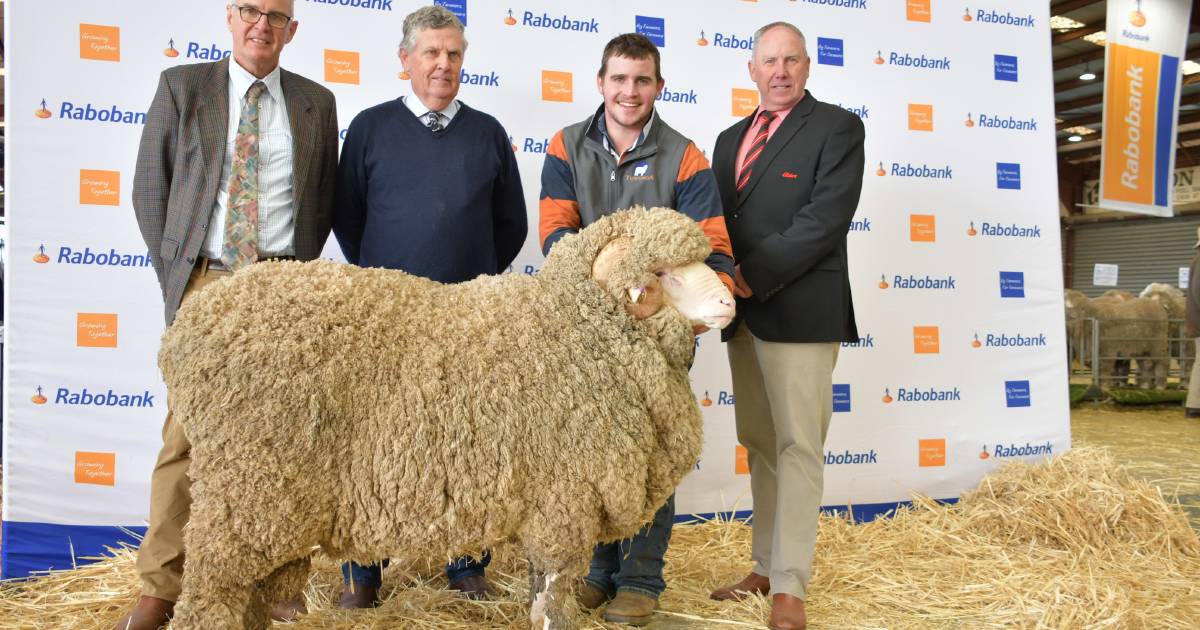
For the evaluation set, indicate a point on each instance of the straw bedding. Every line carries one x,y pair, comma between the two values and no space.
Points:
1071,543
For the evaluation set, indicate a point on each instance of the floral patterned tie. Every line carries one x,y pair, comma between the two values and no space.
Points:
241,217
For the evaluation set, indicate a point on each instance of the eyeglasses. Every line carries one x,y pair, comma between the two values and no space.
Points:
251,15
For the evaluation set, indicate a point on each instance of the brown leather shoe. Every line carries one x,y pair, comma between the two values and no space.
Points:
472,587
631,608
590,597
787,613
149,613
753,584
289,610
360,596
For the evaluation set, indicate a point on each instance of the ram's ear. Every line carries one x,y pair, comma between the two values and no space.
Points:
608,258
650,300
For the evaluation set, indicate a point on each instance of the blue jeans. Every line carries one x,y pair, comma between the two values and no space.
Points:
635,564
372,574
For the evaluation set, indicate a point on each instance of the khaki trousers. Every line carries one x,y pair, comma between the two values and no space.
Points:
160,556
1193,398
784,399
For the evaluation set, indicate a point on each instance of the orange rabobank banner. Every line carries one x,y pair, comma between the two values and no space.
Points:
1146,40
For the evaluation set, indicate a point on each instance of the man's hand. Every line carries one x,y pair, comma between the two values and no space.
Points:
740,288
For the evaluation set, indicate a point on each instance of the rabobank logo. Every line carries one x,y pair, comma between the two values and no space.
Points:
925,282
860,224
1004,122
654,28
1005,230
687,97
1008,176
374,5
558,22
457,7
1005,67
99,257
922,395
1017,450
94,113
171,51
41,111
917,171
204,51
864,341
733,41
100,397
1136,17
841,397
1009,340
839,4
918,61
862,111
534,145
38,398
1012,284
851,458
1016,394
1008,18
488,79
830,52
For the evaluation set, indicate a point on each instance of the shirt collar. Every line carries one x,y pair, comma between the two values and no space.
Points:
419,110
241,80
603,129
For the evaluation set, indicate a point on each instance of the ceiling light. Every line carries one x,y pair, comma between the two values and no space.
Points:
1088,76
1075,138
1098,38
1190,67
1060,23
1080,130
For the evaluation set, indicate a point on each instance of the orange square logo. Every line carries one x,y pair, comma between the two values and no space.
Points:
919,11
925,340
922,228
100,188
102,43
341,66
920,117
744,102
96,330
557,86
98,469
931,453
741,460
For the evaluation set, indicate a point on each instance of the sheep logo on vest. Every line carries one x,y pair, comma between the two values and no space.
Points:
589,440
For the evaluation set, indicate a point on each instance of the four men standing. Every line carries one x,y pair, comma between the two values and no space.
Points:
237,164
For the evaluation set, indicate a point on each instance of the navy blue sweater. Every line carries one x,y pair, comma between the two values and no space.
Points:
446,206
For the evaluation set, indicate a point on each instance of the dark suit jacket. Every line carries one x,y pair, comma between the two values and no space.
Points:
179,167
789,224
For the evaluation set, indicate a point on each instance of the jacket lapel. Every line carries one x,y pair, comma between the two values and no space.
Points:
305,128
787,130
212,117
725,163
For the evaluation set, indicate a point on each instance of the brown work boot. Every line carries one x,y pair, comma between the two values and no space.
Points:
289,610
472,587
590,597
753,584
359,596
149,613
787,613
631,608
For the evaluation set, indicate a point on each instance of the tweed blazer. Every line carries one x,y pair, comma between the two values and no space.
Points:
788,225
180,158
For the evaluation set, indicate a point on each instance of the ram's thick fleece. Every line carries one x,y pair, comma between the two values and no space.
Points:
378,414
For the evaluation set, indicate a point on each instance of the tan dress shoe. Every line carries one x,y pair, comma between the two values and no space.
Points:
752,584
148,613
361,596
289,610
631,608
787,613
472,587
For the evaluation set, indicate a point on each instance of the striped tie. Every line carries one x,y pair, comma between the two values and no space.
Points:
241,216
756,148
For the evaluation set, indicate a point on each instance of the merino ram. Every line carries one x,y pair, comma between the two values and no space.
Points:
377,414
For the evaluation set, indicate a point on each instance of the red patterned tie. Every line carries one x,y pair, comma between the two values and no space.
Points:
756,148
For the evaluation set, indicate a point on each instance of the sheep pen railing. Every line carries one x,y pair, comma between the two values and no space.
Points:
1147,353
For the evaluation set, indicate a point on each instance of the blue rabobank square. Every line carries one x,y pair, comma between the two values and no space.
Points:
457,7
1012,284
841,397
1008,176
830,51
654,28
1006,68
1016,394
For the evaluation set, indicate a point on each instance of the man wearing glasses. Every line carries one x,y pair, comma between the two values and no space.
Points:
236,165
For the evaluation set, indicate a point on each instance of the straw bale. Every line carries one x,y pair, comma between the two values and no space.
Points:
1075,542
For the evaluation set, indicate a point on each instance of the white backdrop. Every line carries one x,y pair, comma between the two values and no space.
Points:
969,253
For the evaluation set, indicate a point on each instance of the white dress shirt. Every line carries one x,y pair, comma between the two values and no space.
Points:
419,110
276,216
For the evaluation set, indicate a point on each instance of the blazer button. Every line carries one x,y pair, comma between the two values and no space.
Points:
737,214
191,260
